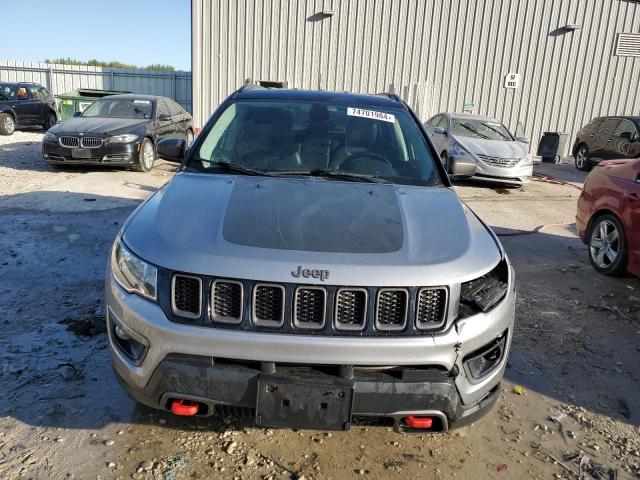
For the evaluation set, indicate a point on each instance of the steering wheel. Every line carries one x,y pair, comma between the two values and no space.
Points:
379,166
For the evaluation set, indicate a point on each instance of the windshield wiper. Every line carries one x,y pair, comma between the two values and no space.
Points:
474,131
326,173
233,168
497,131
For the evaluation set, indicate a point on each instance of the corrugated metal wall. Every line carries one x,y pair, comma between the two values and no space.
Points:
65,78
437,54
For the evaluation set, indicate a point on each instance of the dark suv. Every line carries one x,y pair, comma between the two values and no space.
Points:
605,138
26,105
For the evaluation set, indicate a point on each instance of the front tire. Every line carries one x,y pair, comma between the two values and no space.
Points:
146,156
445,161
49,122
7,124
582,159
607,245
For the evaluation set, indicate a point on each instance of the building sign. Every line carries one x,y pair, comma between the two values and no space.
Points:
512,80
469,107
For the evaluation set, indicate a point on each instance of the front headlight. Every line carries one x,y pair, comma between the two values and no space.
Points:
484,293
460,151
132,273
50,137
126,138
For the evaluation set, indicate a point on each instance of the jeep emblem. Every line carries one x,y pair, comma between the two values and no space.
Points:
306,273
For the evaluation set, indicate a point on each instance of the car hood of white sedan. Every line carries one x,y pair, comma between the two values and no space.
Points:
493,148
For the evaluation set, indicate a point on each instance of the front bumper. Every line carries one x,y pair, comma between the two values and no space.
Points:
517,175
125,154
220,368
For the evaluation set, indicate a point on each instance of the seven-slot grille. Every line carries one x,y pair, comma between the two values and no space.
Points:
186,296
499,161
226,301
91,142
351,309
310,307
391,309
268,304
70,142
431,308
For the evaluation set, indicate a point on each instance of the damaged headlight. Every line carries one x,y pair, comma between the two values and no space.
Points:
132,273
483,293
460,151
126,138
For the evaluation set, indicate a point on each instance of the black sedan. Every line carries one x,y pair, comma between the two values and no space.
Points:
117,130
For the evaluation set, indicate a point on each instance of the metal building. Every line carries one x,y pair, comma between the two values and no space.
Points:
569,60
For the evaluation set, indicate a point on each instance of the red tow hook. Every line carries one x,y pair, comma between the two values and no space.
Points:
419,422
185,408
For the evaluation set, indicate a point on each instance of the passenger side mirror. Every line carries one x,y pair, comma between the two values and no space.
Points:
77,114
524,140
164,118
461,166
439,130
625,135
171,149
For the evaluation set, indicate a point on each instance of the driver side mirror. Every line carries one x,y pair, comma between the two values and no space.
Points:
626,135
524,140
439,130
171,149
461,166
77,114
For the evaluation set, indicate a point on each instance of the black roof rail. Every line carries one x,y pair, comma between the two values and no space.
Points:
392,96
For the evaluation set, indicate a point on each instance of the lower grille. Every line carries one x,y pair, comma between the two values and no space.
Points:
226,301
309,309
431,309
391,309
70,142
268,305
235,412
351,309
186,296
499,161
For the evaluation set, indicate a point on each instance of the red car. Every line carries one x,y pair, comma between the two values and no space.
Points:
608,217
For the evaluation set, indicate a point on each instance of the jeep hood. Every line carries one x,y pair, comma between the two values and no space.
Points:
263,228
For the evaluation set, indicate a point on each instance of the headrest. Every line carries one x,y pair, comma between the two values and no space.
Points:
361,132
318,113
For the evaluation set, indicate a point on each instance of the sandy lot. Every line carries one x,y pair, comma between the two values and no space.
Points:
576,353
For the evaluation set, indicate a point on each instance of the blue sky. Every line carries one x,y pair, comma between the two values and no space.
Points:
139,32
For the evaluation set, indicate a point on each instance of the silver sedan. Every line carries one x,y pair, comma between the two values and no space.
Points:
499,156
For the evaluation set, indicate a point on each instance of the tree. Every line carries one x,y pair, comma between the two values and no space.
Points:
113,64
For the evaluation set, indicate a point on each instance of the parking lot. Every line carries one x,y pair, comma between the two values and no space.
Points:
570,390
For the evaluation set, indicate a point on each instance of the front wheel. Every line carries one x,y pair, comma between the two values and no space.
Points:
146,156
49,122
607,245
445,161
582,159
7,124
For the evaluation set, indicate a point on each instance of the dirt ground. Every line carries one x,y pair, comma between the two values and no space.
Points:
571,392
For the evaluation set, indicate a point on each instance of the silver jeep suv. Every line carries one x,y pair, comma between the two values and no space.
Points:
310,266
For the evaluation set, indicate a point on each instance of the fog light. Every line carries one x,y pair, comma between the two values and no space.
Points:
481,362
130,343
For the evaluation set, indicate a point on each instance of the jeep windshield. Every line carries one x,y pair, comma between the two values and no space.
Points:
335,142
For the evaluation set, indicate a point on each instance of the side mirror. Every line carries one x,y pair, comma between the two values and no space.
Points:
524,140
164,118
461,166
171,149
439,130
77,114
625,135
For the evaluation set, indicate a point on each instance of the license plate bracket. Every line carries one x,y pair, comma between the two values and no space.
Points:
289,403
80,153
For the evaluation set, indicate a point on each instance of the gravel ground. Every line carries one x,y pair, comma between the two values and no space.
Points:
22,168
574,360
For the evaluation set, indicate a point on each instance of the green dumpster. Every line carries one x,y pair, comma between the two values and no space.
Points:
78,100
